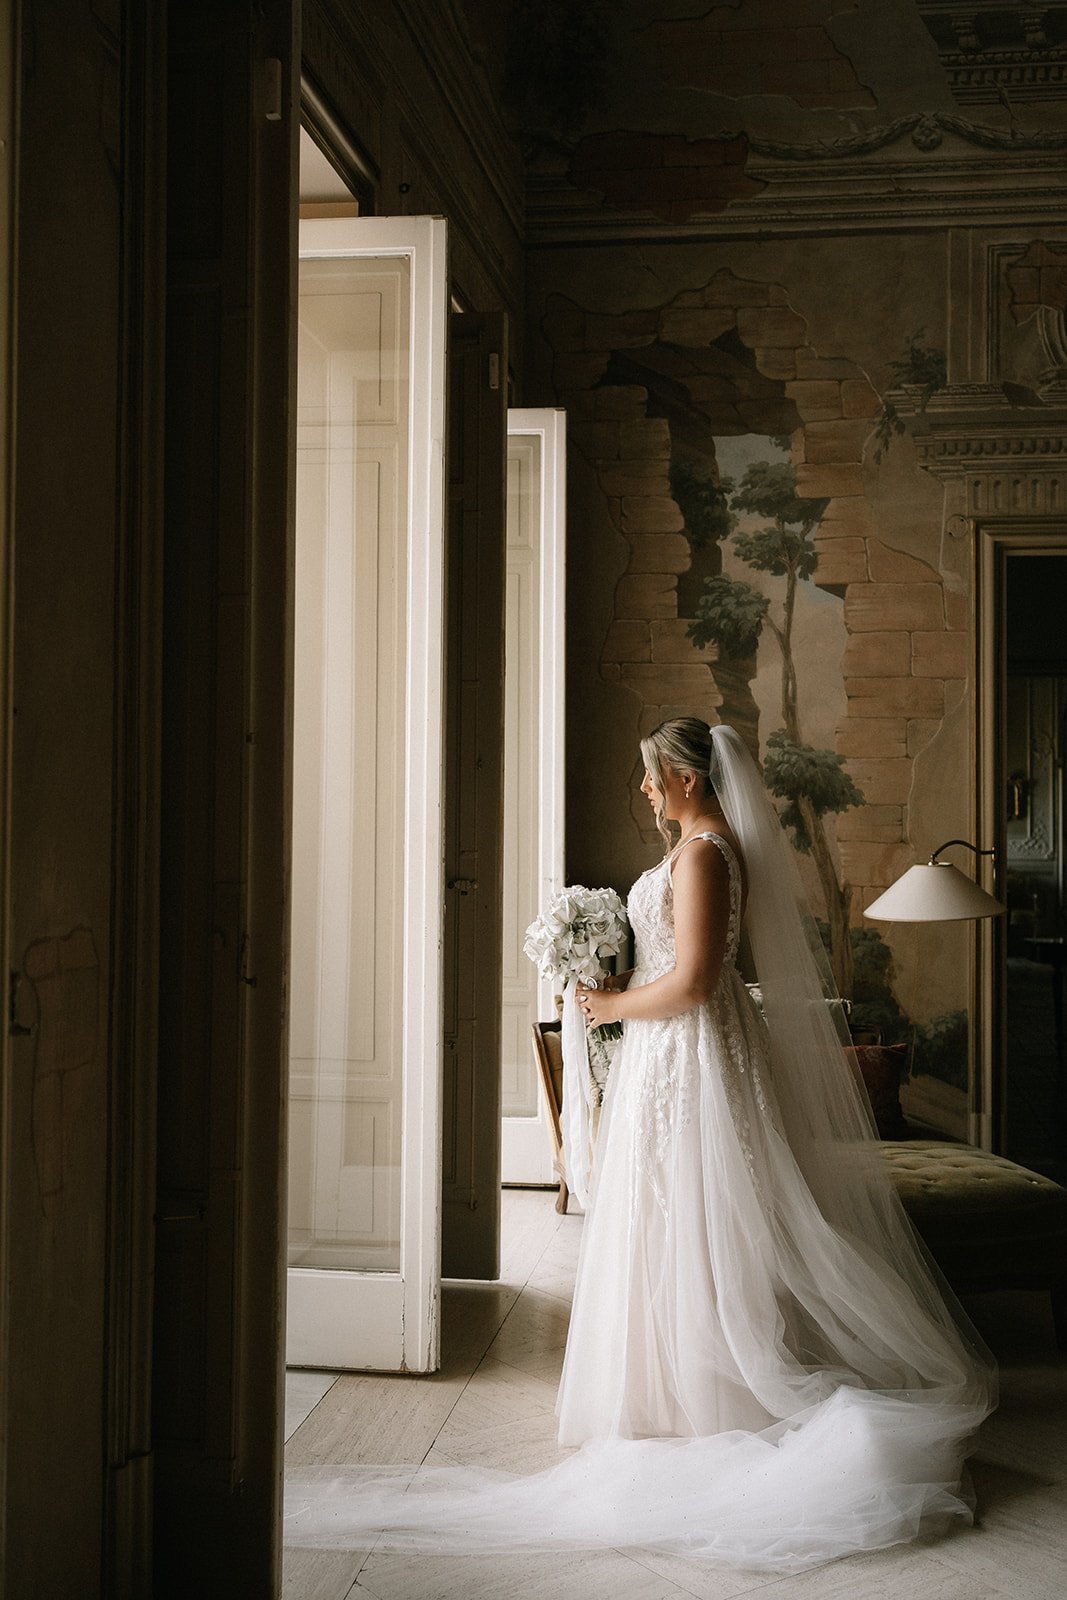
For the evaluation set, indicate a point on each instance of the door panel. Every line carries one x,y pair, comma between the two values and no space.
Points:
347,972
365,1048
533,766
473,838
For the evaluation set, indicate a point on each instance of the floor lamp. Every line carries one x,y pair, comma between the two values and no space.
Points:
937,892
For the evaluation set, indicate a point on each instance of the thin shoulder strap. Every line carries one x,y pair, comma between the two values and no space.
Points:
724,845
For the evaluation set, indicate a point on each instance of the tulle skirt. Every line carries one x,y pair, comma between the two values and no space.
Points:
745,1380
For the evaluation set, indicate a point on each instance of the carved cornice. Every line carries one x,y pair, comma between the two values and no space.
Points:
1016,74
990,50
1006,463
1043,450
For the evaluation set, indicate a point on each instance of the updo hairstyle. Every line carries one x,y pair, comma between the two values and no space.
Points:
683,744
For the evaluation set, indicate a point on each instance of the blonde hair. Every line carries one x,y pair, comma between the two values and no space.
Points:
681,745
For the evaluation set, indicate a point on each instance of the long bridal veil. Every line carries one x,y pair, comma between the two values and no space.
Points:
823,1306
918,1340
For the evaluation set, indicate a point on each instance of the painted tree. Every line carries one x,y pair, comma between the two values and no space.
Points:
733,614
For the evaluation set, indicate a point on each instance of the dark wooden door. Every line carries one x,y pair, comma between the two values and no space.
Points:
474,795
225,797
81,290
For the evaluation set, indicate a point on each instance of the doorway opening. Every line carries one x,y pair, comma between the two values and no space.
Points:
368,812
1022,727
1034,745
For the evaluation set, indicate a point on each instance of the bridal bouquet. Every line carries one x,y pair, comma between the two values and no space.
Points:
570,941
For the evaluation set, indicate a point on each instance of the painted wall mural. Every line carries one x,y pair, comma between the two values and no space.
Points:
731,459
796,270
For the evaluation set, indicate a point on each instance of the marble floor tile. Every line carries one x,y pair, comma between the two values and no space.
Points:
471,1316
536,1324
499,1393
601,1576
1020,1544
524,1448
703,1580
319,1574
546,1365
532,1223
912,1571
368,1419
303,1391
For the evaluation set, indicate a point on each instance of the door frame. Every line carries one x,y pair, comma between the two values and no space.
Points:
994,541
9,150
404,1307
529,1138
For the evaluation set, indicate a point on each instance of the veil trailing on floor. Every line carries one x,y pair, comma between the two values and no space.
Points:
827,1312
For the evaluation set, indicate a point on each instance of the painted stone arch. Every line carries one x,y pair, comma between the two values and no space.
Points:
655,390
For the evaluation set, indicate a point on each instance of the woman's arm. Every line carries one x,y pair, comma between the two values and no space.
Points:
701,919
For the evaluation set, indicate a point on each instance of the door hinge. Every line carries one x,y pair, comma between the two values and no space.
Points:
462,885
494,370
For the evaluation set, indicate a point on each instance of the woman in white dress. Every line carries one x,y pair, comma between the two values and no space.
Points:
762,1366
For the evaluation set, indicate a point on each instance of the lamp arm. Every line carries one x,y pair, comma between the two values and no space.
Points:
933,862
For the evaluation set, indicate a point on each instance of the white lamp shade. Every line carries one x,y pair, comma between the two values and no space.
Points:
936,893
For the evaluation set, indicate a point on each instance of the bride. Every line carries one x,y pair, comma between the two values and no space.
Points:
762,1366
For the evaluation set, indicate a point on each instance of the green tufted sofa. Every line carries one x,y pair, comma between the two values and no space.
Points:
988,1222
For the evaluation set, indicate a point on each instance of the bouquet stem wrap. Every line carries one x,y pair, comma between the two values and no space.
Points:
579,1098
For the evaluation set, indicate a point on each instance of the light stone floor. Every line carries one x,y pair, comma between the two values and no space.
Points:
492,1404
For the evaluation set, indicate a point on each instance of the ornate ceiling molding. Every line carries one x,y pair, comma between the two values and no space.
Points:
877,198
927,130
860,182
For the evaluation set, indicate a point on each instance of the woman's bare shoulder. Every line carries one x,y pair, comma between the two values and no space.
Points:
708,863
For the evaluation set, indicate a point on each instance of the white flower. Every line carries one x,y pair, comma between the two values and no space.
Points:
572,938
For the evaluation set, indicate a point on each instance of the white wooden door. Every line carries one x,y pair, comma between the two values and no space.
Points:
533,765
367,892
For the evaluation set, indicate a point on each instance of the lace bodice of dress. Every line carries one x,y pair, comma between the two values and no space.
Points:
659,1078
650,907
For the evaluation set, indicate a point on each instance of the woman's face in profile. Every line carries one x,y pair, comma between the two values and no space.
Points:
671,795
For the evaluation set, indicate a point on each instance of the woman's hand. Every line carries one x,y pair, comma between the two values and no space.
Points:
596,1005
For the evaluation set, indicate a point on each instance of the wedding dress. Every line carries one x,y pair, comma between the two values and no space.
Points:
762,1366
